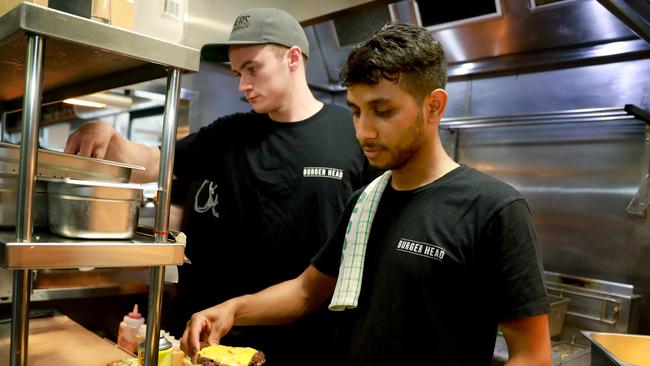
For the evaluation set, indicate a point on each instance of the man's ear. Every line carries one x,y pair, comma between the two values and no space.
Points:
436,105
295,55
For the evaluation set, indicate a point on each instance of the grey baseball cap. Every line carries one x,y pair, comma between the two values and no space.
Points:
259,26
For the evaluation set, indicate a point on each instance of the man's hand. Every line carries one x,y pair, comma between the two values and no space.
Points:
278,304
92,140
207,326
100,140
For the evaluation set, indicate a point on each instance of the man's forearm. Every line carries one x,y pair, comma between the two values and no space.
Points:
123,150
284,302
279,304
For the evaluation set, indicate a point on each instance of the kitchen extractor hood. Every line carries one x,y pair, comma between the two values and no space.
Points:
491,36
634,13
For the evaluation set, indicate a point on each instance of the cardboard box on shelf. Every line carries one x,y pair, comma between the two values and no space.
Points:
122,13
6,5
78,7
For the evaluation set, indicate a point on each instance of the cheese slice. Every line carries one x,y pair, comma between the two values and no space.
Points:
232,356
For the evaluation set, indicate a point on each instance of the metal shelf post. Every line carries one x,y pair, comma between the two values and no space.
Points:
157,275
27,169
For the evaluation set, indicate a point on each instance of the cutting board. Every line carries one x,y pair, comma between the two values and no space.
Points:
58,341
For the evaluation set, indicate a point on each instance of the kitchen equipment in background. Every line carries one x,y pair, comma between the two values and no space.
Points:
596,304
559,307
562,353
613,349
570,354
93,210
51,164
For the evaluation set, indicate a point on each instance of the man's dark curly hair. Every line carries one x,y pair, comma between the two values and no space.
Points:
402,53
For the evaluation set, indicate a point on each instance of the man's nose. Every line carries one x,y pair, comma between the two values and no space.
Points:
364,128
244,84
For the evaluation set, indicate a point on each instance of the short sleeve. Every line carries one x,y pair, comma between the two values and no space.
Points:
328,259
516,263
193,152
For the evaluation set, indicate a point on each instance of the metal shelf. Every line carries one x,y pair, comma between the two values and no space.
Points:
51,251
83,56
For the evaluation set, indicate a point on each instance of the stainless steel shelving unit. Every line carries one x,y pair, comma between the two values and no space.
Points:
46,56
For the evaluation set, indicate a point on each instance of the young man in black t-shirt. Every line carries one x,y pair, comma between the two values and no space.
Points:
267,187
429,258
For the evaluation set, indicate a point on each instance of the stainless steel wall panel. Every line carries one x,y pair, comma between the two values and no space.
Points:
460,99
590,86
578,180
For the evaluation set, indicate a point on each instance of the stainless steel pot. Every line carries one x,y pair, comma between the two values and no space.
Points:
51,164
93,210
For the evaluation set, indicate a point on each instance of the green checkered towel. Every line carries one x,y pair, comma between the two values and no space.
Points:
348,284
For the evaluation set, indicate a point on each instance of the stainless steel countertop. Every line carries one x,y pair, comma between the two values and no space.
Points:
82,56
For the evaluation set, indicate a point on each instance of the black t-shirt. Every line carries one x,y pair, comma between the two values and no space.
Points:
264,198
444,264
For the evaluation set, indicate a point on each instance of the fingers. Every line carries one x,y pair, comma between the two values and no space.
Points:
207,326
86,148
184,343
90,140
196,326
215,335
99,151
72,144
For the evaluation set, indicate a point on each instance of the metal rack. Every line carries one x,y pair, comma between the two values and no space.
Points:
81,57
628,112
596,304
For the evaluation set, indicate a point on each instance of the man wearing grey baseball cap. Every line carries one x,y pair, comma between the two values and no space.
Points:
259,26
267,186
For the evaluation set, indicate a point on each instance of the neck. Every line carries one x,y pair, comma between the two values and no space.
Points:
426,166
299,105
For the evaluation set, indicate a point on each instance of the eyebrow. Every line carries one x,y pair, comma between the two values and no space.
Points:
370,102
243,66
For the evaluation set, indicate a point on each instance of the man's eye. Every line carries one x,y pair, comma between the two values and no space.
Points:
384,113
356,114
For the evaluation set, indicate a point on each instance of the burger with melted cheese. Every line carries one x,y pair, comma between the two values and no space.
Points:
219,355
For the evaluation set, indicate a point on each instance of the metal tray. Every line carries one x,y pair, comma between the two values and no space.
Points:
93,210
60,165
559,307
617,349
